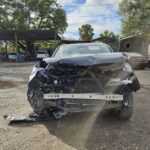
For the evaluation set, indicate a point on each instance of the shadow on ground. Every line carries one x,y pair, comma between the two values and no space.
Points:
82,130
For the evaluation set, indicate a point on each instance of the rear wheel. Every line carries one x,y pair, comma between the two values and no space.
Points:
143,67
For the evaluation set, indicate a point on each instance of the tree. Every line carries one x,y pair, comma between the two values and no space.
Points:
86,32
135,17
32,14
35,14
108,34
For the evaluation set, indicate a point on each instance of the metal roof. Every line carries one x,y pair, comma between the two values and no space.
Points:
29,35
106,40
141,37
74,41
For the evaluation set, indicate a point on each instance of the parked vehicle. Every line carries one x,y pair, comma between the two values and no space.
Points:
83,77
136,60
12,56
41,55
3,57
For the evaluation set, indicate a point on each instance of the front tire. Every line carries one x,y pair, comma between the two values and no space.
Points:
127,107
35,98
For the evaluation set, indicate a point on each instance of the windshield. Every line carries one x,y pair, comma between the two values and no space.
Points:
67,50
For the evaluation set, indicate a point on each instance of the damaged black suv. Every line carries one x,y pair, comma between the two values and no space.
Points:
83,77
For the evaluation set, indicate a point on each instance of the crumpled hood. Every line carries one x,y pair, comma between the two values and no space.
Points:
88,59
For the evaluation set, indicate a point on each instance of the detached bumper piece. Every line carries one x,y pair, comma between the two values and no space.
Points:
92,96
25,119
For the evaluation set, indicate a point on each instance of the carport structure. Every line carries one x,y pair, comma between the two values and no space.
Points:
29,36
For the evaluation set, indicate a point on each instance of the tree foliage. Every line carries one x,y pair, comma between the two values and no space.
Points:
48,44
32,14
108,34
86,32
135,17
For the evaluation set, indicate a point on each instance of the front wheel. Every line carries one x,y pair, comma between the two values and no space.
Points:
127,106
35,98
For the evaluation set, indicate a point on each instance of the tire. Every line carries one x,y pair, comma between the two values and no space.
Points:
148,64
107,112
35,98
127,107
143,67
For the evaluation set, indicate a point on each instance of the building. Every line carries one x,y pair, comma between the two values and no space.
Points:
135,43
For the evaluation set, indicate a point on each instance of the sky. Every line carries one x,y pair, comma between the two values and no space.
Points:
101,14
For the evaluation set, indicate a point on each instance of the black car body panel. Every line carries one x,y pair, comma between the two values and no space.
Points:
88,59
89,73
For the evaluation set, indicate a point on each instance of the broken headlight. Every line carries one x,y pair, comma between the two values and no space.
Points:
34,72
127,68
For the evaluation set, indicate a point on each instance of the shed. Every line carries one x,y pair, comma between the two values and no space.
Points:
135,43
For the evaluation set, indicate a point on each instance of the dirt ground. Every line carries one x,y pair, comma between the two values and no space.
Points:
83,131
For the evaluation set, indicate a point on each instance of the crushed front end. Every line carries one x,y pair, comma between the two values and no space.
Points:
80,83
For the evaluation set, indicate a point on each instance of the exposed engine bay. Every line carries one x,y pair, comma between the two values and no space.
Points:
81,83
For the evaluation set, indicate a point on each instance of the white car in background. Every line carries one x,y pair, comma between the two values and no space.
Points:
12,56
41,55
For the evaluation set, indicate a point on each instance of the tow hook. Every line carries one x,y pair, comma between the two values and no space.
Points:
58,114
126,104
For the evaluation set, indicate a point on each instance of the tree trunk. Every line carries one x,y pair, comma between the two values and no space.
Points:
30,48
